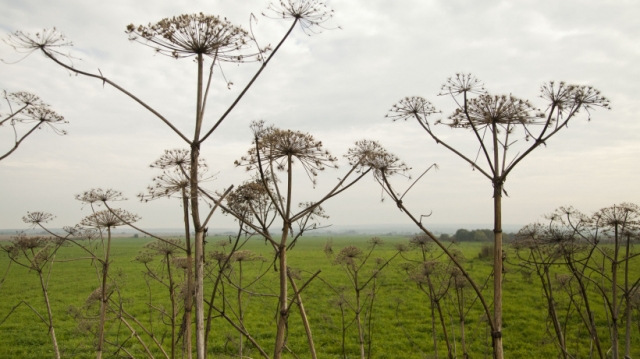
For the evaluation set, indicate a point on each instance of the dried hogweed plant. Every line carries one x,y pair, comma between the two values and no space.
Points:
269,195
37,254
540,249
193,34
238,259
276,149
437,279
221,271
364,280
50,40
309,14
206,39
27,108
105,221
597,252
166,273
371,155
93,236
175,182
493,122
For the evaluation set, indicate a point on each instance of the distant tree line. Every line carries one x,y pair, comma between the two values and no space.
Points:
477,235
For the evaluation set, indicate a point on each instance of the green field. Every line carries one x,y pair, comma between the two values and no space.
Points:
401,322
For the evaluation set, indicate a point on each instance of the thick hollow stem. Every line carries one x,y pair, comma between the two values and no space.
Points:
358,319
455,261
199,298
172,296
240,313
195,216
305,320
614,295
250,82
551,303
52,331
18,142
465,355
283,309
627,310
497,272
106,80
103,296
188,300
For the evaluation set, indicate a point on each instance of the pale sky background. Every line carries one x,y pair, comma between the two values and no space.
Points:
337,85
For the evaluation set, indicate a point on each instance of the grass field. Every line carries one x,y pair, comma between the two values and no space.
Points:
401,313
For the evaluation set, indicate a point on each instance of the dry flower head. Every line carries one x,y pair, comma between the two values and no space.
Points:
193,34
412,107
47,40
109,218
308,13
371,155
274,147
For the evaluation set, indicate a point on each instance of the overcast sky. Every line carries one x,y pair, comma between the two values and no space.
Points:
337,85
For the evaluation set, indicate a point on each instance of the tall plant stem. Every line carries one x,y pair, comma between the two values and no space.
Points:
216,284
264,64
282,253
627,294
589,320
434,334
460,293
188,300
106,80
614,294
103,296
283,309
455,261
195,215
172,296
18,142
497,272
305,320
240,312
435,301
358,319
52,331
551,303
498,182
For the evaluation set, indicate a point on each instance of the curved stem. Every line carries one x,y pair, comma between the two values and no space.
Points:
249,84
446,251
106,80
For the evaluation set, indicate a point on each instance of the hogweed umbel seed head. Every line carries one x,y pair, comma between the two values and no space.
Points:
462,83
412,107
24,98
98,195
109,218
348,255
194,34
308,13
275,146
371,155
568,98
248,198
48,40
37,218
490,110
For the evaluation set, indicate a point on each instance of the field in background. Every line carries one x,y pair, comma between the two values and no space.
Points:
401,321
